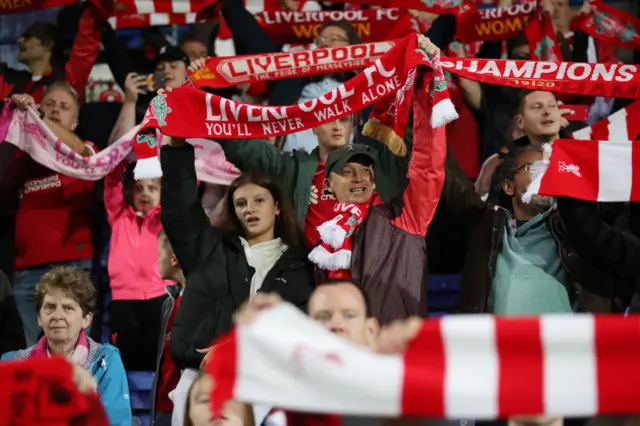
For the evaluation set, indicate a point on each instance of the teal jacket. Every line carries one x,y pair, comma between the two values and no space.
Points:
106,366
295,171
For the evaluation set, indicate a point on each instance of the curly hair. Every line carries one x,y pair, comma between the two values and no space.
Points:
73,282
506,171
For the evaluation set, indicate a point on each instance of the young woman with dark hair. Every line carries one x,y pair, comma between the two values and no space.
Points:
258,246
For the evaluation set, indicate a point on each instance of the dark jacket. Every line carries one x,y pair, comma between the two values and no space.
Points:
214,264
590,286
389,254
601,244
167,307
11,333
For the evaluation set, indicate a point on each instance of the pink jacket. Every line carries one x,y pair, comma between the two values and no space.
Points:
133,256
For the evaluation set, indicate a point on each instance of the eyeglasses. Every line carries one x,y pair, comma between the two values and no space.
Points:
332,39
526,167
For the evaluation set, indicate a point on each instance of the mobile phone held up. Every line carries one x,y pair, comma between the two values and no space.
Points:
154,82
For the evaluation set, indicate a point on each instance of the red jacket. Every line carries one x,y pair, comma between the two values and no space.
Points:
75,72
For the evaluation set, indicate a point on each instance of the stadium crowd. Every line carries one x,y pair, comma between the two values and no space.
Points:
329,219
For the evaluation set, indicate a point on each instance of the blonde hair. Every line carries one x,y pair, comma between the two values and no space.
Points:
62,85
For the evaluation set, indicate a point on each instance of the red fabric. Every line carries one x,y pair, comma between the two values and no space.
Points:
610,25
11,7
426,170
576,170
543,43
462,134
40,391
58,210
317,214
623,125
111,95
169,374
307,419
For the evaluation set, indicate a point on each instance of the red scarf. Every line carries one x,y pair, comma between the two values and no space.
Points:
610,25
178,113
40,391
543,43
334,251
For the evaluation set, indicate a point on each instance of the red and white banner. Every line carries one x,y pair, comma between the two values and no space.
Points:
8,7
603,171
480,367
623,125
151,20
231,71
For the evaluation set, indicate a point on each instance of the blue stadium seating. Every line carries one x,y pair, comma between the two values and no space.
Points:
443,292
140,384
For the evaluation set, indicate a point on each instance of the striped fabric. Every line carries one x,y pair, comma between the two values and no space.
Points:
622,125
151,20
480,367
603,171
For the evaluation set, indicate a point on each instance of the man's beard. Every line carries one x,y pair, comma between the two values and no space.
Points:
542,202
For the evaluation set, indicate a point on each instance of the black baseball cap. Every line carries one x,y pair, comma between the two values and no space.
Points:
172,53
340,157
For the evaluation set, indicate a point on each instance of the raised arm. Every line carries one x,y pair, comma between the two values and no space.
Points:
255,154
426,170
85,49
114,201
183,217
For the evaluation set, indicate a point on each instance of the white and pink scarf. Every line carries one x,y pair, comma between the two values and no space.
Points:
25,130
461,366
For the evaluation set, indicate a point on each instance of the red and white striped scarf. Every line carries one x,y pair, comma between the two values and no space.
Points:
622,125
604,171
480,367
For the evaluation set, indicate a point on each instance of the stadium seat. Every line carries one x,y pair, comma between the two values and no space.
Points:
443,292
140,384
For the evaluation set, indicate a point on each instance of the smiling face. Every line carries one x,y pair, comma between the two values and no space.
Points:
539,115
61,318
146,194
354,184
60,107
256,211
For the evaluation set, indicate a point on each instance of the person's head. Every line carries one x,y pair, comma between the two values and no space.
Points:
514,175
37,43
337,34
167,260
518,47
60,104
343,308
146,194
198,408
561,16
194,47
349,171
334,134
258,210
65,300
538,115
173,63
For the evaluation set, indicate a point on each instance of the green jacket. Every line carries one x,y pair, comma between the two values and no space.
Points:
295,171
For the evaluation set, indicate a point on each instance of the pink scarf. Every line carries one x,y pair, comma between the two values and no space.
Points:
80,354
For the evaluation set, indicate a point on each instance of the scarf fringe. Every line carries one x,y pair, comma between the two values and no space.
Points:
332,234
147,168
387,136
335,261
443,113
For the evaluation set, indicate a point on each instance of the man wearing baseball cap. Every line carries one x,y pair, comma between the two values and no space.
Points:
173,63
378,246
